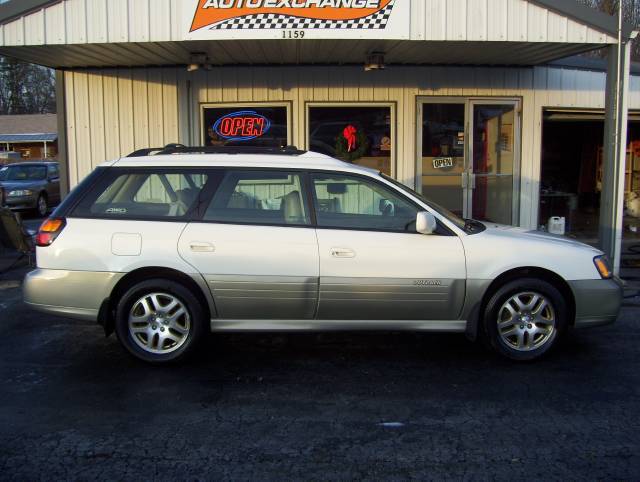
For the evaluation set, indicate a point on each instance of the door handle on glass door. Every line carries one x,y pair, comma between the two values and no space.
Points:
199,247
342,253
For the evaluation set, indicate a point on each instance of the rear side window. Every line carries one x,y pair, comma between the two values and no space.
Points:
260,197
144,194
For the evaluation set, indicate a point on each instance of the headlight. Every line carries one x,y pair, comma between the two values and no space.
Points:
20,192
603,265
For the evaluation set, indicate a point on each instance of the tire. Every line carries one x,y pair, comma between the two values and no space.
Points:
42,205
525,319
152,329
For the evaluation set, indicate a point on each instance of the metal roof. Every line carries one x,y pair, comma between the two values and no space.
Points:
531,32
570,8
23,138
590,16
28,124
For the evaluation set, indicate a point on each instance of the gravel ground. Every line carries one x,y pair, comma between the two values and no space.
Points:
73,405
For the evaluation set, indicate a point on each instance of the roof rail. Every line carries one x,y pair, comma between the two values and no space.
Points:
182,149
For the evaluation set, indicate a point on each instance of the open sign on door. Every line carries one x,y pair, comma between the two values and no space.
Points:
442,162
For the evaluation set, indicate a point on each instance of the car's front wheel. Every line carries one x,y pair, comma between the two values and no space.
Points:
159,321
42,205
525,318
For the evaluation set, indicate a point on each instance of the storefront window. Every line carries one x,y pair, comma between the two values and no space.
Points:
358,134
236,125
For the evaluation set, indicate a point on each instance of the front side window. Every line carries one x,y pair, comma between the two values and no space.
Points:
54,171
144,195
260,197
344,201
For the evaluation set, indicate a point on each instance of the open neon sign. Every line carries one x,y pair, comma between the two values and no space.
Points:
242,126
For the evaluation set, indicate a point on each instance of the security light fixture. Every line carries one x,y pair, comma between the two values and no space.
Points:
197,61
375,61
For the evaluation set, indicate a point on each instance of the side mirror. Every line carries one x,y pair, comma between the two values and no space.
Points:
426,223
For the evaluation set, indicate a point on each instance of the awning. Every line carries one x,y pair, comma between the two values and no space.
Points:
24,138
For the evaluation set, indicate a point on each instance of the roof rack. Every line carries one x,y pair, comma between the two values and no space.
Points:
182,149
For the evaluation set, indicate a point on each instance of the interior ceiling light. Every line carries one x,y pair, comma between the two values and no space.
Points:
375,61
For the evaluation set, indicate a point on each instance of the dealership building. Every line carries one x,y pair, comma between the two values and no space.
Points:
479,104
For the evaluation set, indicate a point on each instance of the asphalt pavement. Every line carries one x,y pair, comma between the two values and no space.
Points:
344,406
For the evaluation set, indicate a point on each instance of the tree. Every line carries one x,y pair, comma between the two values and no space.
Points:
26,88
630,13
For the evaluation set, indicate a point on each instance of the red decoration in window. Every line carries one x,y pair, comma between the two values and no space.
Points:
349,134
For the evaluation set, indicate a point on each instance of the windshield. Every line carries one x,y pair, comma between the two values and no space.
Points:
23,173
467,225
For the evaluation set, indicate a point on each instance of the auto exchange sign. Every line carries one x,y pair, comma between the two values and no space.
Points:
296,19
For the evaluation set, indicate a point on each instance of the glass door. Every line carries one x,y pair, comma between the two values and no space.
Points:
492,175
441,162
469,157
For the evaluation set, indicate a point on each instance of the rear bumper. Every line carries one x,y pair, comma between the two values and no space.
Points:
597,301
73,294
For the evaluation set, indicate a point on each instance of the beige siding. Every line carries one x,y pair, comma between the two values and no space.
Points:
110,21
112,112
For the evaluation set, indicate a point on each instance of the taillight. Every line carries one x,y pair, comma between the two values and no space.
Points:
49,231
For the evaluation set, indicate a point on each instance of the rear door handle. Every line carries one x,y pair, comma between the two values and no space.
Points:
342,253
199,247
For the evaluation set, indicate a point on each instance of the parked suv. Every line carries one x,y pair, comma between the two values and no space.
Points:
30,186
164,246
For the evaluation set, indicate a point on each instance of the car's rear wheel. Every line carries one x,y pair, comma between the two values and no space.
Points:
159,321
525,318
42,205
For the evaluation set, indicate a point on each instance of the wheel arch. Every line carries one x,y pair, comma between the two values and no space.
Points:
106,315
527,271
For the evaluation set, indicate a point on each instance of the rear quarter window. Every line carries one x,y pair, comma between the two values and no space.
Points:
144,194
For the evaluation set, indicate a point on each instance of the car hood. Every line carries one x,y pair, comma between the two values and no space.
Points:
18,184
526,234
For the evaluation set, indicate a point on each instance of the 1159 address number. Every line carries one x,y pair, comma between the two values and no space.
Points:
293,34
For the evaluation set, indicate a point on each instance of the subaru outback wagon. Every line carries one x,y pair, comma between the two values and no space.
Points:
168,244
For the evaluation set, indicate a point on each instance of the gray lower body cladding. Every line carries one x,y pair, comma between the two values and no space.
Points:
273,297
336,303
598,302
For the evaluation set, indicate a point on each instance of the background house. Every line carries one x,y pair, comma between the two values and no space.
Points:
32,136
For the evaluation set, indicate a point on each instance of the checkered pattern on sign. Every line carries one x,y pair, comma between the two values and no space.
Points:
375,21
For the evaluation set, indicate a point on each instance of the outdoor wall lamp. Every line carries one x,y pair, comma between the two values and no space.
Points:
375,61
197,61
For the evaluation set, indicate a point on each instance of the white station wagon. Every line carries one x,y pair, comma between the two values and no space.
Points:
168,244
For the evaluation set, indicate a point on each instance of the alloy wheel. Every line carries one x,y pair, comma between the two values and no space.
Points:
159,323
527,321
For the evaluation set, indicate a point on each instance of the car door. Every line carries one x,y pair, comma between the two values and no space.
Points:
256,247
373,264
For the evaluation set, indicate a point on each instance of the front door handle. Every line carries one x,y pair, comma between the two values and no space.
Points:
342,253
200,247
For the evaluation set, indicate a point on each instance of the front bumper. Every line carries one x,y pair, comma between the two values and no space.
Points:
73,294
20,202
598,302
